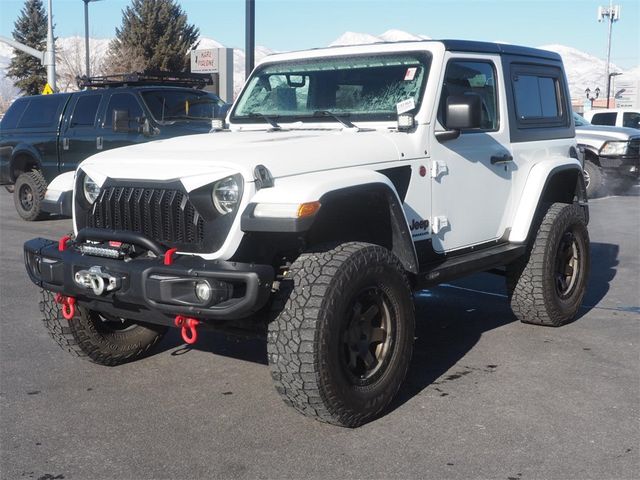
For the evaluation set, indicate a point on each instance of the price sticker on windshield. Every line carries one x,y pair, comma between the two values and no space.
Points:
405,106
411,74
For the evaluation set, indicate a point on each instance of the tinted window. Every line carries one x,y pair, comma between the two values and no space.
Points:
469,78
536,97
123,101
42,111
84,114
11,118
604,118
631,119
182,105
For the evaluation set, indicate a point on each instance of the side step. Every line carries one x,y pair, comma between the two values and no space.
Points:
456,266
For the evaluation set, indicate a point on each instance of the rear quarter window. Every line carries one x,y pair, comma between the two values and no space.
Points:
12,117
608,118
42,112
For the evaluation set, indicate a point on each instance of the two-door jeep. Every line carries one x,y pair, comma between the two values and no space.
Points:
347,179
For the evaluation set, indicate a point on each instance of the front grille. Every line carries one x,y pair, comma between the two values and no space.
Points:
634,147
163,215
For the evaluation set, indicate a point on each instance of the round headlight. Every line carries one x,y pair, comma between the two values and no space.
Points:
226,194
90,188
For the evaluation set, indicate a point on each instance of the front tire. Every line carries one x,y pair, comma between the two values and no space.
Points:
28,195
547,286
341,346
593,179
98,338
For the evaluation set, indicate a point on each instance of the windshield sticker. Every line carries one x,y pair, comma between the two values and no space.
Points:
411,74
405,106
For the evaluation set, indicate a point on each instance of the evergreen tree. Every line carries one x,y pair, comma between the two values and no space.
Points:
30,29
154,35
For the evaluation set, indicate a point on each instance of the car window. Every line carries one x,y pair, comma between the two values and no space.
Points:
42,111
84,113
182,105
631,119
608,118
12,117
579,120
536,97
465,77
123,101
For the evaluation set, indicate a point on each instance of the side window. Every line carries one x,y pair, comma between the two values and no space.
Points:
539,96
123,101
465,77
84,113
42,111
631,119
604,118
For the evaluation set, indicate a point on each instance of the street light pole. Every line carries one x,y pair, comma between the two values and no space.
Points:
86,37
612,74
50,54
250,37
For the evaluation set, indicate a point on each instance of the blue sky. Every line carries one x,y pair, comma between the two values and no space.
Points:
294,25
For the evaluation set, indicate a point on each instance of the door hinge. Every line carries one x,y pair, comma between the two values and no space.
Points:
439,223
438,167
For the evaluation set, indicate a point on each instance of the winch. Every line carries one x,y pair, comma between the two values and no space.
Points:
97,280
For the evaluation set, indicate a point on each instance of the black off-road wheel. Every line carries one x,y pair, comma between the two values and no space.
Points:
28,194
547,286
340,347
96,337
593,179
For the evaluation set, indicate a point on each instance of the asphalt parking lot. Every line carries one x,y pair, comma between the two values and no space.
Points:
486,397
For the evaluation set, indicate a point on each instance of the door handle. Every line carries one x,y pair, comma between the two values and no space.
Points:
504,158
99,144
65,143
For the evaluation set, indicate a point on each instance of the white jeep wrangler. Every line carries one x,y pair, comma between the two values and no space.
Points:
347,179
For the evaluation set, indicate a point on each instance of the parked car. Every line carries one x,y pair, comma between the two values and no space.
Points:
45,135
349,178
614,117
611,156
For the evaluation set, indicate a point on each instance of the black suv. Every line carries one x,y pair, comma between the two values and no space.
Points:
45,135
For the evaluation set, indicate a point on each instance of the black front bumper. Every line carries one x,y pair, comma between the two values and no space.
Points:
624,165
147,289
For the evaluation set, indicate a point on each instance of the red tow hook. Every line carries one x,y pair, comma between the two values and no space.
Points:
188,328
67,305
62,243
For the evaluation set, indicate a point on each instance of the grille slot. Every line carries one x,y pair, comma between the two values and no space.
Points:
163,215
634,147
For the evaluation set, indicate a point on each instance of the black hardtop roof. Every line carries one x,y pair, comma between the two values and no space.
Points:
471,46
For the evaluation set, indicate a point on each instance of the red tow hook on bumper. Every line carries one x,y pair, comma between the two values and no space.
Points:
67,305
188,328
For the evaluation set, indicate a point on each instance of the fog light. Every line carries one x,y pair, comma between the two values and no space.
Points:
203,291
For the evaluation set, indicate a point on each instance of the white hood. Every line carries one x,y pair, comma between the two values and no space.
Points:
200,159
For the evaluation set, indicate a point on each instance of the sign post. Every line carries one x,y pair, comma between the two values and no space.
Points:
219,63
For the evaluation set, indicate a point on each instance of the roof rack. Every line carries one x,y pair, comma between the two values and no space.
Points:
179,79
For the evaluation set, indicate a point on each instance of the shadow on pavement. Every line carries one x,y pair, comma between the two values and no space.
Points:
604,260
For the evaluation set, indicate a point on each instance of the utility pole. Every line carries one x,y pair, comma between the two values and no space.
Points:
250,37
612,13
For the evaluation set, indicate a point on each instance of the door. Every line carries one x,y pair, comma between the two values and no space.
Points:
471,174
79,136
129,103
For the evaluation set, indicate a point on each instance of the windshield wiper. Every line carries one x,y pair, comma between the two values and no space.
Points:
340,118
270,120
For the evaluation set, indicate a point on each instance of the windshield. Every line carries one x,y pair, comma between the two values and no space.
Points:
367,87
579,120
182,105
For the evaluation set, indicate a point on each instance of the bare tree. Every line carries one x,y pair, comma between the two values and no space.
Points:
71,61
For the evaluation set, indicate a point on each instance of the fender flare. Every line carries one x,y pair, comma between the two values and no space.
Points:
533,194
322,186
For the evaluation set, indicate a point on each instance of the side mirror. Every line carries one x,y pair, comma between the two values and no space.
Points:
120,121
462,112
